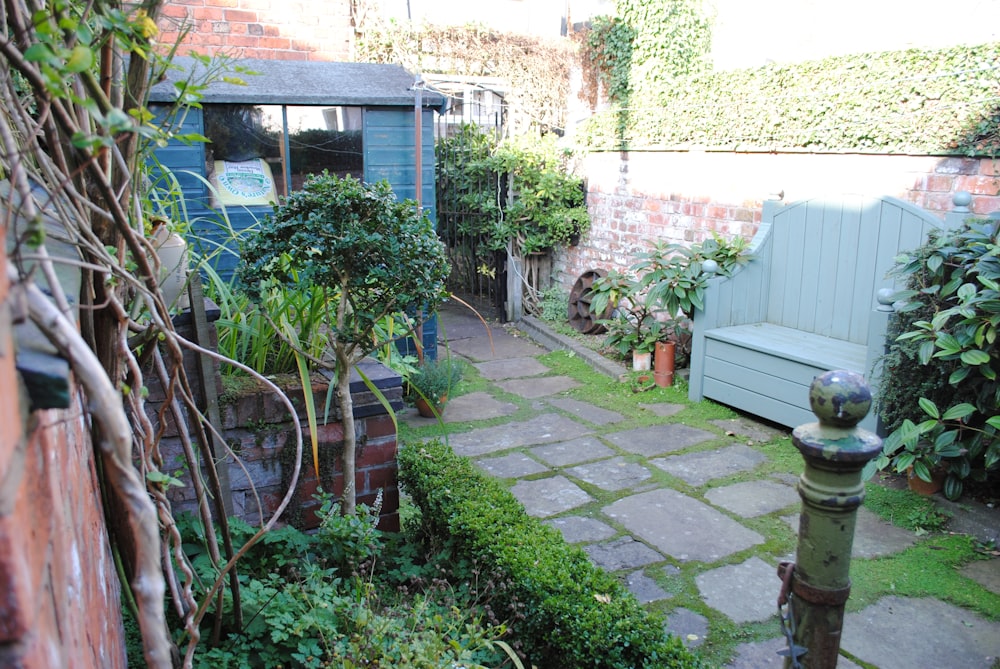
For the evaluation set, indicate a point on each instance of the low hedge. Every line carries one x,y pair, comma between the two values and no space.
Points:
578,615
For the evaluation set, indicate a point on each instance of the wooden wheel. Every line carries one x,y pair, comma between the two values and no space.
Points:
580,317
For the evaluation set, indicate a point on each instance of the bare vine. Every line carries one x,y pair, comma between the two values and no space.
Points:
73,135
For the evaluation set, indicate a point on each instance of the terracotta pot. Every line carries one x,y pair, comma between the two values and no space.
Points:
641,361
425,409
922,487
663,363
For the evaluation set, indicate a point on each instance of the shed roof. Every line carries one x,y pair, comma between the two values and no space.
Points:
306,83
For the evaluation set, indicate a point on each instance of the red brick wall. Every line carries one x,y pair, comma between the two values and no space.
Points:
257,426
59,597
268,29
684,196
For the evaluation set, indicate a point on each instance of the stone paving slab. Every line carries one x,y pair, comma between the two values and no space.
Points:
681,527
984,572
511,368
688,626
873,537
578,529
504,346
539,386
549,496
699,468
473,407
586,411
764,655
751,429
753,498
644,588
572,452
663,409
744,592
614,474
622,553
905,632
542,429
659,439
511,466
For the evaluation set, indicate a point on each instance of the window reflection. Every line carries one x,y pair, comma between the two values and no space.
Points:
250,161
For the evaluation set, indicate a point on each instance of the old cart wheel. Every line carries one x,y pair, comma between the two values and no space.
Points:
580,316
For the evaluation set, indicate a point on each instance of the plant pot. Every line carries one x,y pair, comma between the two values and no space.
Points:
663,363
427,410
641,361
922,487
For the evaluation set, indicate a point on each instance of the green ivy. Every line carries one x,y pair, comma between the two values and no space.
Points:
927,102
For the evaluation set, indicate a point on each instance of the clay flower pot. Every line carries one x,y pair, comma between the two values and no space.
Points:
641,360
425,409
663,363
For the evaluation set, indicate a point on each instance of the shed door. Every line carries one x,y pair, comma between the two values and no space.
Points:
390,153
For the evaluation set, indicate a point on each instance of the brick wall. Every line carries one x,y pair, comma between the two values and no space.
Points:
268,29
257,427
59,597
684,196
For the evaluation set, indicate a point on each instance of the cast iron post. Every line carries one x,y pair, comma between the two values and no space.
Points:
835,451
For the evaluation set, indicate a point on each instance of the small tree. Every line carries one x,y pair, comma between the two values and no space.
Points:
369,256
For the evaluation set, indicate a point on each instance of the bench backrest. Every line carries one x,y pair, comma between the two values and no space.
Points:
824,260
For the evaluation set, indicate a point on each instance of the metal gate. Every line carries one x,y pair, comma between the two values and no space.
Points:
466,132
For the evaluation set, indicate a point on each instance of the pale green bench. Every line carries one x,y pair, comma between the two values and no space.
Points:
806,303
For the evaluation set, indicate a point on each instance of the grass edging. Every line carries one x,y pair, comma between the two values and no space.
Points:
578,615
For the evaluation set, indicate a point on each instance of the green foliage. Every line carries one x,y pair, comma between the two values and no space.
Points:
936,102
343,597
577,615
515,191
435,379
355,245
950,318
647,46
668,285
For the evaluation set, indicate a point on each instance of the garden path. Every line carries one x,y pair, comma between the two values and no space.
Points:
708,527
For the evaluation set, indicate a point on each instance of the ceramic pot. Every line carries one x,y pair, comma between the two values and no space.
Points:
641,361
922,487
425,409
663,363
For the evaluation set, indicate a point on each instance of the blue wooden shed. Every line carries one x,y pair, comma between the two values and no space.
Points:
292,119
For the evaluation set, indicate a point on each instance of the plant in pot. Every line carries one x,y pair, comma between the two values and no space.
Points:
431,383
924,451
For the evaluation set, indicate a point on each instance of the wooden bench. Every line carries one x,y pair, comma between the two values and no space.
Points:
806,303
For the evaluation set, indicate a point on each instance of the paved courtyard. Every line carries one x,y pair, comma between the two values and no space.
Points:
672,505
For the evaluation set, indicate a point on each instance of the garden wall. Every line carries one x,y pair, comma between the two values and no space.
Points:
683,196
54,557
258,428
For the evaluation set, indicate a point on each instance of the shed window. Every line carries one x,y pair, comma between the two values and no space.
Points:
259,152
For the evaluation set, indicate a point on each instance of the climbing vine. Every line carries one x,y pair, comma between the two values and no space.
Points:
537,71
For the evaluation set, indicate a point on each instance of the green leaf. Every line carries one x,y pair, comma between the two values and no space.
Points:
975,357
959,411
37,53
929,407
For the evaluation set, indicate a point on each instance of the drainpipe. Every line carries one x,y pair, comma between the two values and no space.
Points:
816,587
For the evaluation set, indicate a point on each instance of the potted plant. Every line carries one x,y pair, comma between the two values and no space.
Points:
923,451
431,383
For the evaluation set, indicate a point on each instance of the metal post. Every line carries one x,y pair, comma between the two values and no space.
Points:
818,584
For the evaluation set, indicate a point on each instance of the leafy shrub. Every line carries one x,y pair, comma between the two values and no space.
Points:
948,326
577,615
344,597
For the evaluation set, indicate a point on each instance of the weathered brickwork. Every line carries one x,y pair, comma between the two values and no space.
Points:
54,559
267,29
683,197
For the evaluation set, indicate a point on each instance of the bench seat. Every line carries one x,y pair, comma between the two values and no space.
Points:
742,361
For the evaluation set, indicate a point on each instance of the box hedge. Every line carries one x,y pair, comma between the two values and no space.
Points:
578,615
